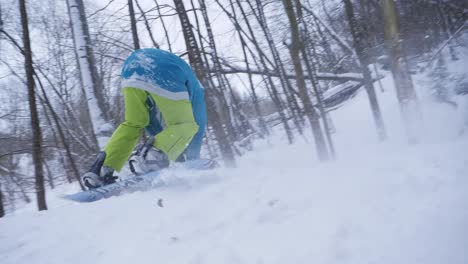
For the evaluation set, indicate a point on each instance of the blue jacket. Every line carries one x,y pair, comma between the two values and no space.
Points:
167,76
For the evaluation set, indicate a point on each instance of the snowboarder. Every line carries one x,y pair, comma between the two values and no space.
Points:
162,95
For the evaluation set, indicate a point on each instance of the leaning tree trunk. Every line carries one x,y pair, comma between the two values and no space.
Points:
279,65
36,129
311,66
358,36
217,90
255,100
405,91
271,87
226,87
199,69
147,25
312,115
89,77
444,23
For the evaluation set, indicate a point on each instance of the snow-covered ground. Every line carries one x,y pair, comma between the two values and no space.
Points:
377,203
382,204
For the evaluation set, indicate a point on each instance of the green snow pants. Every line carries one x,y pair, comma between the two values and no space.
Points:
180,127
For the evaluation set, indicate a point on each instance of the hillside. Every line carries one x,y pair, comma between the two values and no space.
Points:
378,203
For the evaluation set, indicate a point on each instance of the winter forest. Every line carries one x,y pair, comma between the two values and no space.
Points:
335,114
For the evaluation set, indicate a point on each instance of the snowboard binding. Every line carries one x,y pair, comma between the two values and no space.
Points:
146,158
99,175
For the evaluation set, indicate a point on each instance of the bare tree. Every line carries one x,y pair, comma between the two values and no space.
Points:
1,20
309,58
147,25
312,115
89,78
243,124
279,66
405,91
37,134
445,20
136,41
253,89
163,24
260,58
218,86
358,36
199,69
2,207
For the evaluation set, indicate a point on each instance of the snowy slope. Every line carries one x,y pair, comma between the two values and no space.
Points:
378,203
403,206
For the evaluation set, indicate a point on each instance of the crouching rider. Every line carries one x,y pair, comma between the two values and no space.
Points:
163,96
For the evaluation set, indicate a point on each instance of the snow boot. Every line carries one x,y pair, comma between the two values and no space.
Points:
99,175
146,158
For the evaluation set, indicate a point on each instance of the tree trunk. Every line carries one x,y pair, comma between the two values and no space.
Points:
218,93
61,134
359,45
11,198
406,94
311,66
255,101
50,178
91,82
295,51
136,42
2,206
273,91
279,66
199,69
1,19
444,23
233,102
36,129
163,24
148,27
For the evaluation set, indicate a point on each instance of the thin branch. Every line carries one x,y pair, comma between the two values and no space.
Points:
445,44
101,9
148,28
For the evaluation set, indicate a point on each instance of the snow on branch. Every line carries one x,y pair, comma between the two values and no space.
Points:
229,69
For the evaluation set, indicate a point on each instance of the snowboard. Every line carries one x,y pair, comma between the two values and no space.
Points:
137,183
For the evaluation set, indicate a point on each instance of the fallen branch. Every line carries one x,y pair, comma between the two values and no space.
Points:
229,69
